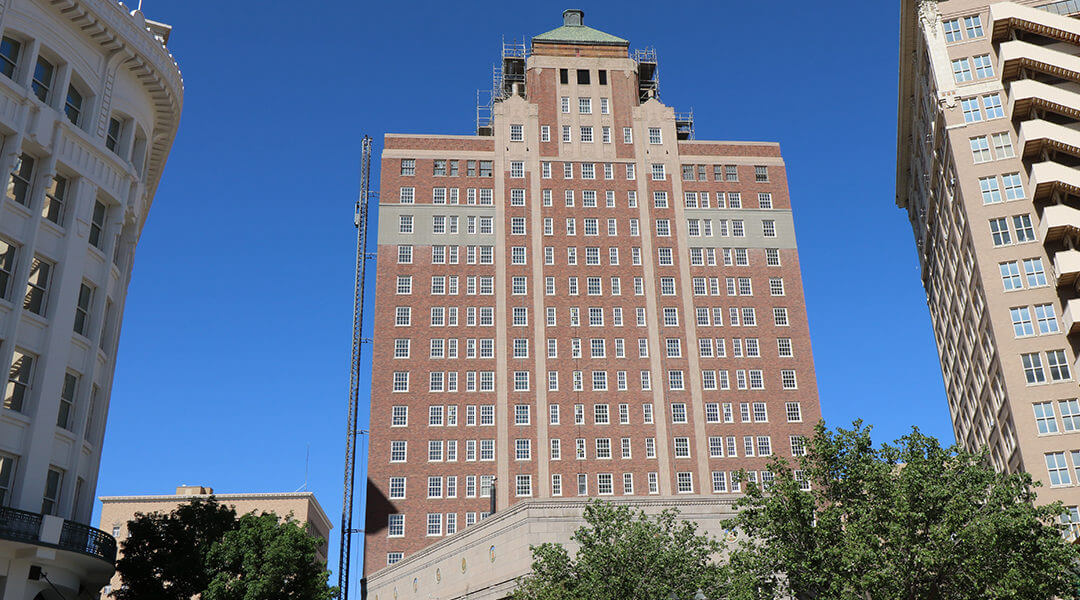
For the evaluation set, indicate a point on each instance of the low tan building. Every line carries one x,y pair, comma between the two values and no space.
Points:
116,511
485,560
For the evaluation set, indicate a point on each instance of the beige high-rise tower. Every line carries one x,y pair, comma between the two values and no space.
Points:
988,150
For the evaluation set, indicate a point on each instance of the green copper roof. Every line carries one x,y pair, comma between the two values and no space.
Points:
574,32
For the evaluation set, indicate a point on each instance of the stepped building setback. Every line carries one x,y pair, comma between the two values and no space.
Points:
580,301
90,101
988,172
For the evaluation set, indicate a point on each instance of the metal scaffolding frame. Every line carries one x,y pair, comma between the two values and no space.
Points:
352,431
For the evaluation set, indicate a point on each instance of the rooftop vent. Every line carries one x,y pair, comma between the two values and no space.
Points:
573,17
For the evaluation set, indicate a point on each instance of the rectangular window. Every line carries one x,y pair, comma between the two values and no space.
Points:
973,26
992,104
523,486
1010,275
1046,317
9,56
66,411
1034,272
1033,368
50,500
1014,188
37,286
1003,147
1025,232
999,231
434,524
682,447
1056,467
983,67
1070,415
980,149
972,112
1045,420
953,31
684,482
21,180
961,70
1058,365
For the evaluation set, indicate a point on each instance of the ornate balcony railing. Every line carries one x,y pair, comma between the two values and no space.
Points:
87,540
23,526
19,525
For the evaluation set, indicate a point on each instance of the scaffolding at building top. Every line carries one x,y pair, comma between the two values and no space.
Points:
507,78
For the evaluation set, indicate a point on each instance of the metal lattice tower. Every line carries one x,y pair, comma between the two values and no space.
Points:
360,216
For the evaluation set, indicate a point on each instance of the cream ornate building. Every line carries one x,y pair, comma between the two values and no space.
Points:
988,154
90,101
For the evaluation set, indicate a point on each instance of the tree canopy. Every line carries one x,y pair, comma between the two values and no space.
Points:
163,555
203,548
625,555
847,521
908,520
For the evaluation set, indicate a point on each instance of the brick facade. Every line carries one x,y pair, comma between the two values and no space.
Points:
633,230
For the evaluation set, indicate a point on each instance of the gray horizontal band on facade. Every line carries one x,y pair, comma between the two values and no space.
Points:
752,218
720,159
423,234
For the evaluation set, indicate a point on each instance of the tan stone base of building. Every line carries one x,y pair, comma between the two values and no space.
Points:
484,561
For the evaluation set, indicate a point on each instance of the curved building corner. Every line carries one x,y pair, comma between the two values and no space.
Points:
90,102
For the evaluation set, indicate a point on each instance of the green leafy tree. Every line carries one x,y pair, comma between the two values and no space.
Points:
266,559
201,548
163,553
910,520
625,555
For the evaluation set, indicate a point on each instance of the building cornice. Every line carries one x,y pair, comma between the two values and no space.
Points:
125,38
224,498
436,136
728,143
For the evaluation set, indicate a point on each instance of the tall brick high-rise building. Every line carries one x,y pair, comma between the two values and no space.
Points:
580,300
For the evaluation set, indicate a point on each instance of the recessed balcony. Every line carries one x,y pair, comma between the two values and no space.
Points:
1066,267
1048,177
1025,94
1037,136
1070,315
1007,16
1017,55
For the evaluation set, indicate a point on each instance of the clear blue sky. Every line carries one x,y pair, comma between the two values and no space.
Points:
235,348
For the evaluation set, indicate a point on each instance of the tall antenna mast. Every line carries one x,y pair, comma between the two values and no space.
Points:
360,215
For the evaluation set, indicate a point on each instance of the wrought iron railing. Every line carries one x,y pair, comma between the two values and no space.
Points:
19,525
24,526
87,540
